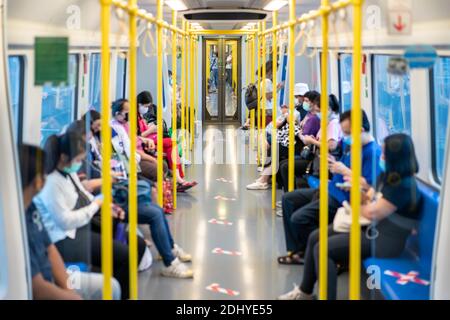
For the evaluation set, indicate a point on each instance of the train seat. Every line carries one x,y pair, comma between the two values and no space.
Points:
313,182
408,277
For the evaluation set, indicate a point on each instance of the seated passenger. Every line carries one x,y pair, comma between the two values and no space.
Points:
50,280
309,162
394,214
67,209
147,128
150,214
301,207
300,90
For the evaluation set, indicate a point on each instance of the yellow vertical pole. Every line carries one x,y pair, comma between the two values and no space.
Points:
106,221
132,187
192,86
258,113
355,195
291,57
187,92
252,77
323,219
274,110
174,110
263,93
159,80
196,85
183,93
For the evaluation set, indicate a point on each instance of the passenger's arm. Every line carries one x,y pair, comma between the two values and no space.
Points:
378,210
44,290
332,145
152,128
92,184
58,267
66,217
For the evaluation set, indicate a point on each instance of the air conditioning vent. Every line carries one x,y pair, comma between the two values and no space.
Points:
236,15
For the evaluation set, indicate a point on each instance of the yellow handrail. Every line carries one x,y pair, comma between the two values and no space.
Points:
323,219
192,86
183,94
258,113
106,220
252,77
174,110
263,94
355,193
274,111
291,58
159,99
132,187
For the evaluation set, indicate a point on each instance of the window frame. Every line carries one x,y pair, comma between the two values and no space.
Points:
433,119
90,57
21,103
374,123
124,78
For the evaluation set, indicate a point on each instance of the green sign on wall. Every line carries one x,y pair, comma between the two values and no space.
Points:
51,57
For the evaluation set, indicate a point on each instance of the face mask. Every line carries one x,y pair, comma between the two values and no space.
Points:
73,168
143,110
348,140
307,106
319,115
382,164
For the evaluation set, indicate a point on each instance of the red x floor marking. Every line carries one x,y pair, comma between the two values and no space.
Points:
215,287
403,279
222,222
224,198
226,252
224,180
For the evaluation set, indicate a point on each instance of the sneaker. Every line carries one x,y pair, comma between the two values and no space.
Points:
258,186
177,269
279,213
260,169
180,254
296,294
186,162
278,204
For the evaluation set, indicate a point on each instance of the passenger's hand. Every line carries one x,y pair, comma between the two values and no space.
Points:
72,295
117,212
151,145
280,85
338,168
99,199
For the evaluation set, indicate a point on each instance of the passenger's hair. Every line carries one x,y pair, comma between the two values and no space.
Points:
79,128
400,156
365,121
32,161
333,102
70,144
91,116
117,106
145,97
313,96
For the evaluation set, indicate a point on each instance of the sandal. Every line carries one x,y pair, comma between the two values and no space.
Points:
292,259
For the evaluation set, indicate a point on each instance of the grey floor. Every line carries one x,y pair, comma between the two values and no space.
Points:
256,232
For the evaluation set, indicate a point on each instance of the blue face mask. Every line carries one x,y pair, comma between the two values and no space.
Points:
306,106
348,140
73,168
382,165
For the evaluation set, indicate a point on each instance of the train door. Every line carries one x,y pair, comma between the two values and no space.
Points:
221,88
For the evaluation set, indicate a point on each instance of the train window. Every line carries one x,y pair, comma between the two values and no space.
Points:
94,81
440,105
59,103
392,100
16,78
345,80
121,78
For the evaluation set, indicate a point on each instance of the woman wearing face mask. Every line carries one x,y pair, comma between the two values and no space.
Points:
149,131
392,208
67,209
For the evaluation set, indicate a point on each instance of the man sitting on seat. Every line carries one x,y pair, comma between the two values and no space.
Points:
301,207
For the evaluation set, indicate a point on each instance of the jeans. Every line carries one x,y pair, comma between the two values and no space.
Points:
90,286
301,216
215,77
153,215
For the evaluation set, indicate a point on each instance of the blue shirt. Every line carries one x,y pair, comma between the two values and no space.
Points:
371,154
38,242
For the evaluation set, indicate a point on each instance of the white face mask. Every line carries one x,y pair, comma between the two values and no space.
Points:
143,110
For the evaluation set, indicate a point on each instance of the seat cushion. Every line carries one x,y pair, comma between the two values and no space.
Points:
402,278
314,182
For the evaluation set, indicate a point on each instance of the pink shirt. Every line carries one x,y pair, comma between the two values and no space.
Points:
334,131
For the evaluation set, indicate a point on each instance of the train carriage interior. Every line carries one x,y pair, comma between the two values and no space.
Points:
225,150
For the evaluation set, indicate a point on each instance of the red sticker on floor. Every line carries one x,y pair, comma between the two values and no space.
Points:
226,252
215,287
403,279
224,198
221,222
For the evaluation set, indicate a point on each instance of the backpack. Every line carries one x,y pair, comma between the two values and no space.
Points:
251,96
